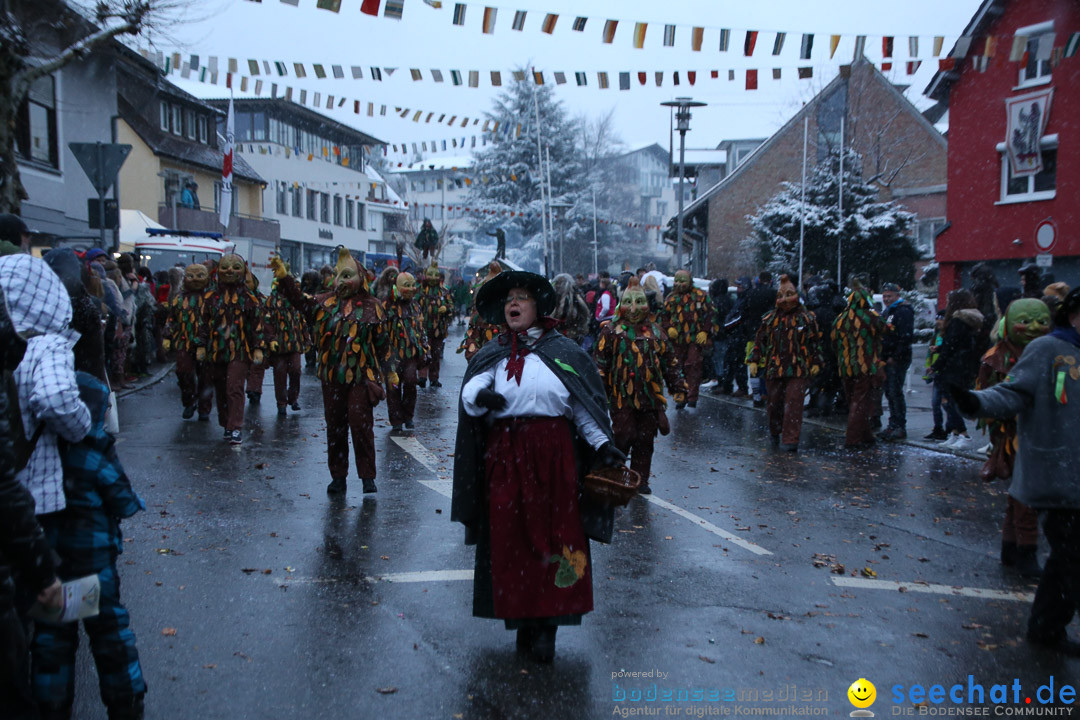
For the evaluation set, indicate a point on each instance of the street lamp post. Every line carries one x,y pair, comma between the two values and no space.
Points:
682,120
560,208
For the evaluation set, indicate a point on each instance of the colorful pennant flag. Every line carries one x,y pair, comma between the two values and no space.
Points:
778,43
581,79
807,46
489,20
1072,44
725,39
601,80
393,9
459,14
548,25
887,46
806,72
669,36
624,81
519,21
991,46
750,42
834,42
860,47
913,46
560,78
697,35
1018,49
751,79
776,73
579,24
331,5
913,66
496,78
639,34
370,7
609,31
939,41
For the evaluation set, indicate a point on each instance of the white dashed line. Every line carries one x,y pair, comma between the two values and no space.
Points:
895,586
444,486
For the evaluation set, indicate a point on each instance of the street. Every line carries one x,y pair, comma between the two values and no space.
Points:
765,575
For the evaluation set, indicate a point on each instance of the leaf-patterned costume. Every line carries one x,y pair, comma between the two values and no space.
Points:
634,361
230,328
689,314
856,334
479,334
408,349
437,305
183,315
351,343
787,349
287,337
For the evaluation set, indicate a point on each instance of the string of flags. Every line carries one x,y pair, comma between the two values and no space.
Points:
1016,46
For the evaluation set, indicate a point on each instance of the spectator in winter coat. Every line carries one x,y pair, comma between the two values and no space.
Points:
1041,392
958,359
722,304
759,300
23,549
896,352
825,302
48,395
740,332
85,312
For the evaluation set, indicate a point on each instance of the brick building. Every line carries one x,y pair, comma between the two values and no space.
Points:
996,215
899,146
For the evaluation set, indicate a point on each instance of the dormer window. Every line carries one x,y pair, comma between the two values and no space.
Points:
1040,43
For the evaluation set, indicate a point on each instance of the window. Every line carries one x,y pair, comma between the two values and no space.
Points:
204,136
361,223
176,124
1042,186
297,201
312,200
189,124
337,209
349,209
217,198
1040,42
926,230
165,116
35,125
324,208
282,200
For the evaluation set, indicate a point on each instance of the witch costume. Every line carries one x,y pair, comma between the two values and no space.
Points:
532,417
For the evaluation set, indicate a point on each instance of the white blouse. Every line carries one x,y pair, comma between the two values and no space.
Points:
541,394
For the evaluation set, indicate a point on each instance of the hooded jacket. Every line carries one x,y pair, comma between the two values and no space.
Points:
958,359
86,312
40,308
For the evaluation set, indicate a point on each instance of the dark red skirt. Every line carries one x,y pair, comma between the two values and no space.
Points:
540,563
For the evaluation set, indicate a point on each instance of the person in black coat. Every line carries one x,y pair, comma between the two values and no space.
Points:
23,550
85,311
759,300
958,359
722,303
896,351
822,300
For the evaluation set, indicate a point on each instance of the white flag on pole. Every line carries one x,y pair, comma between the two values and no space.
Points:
227,168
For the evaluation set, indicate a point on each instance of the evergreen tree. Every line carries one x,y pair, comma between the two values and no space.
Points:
875,235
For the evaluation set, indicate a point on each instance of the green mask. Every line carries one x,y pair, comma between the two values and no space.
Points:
1025,320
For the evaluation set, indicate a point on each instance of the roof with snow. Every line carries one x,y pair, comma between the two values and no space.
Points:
393,202
980,22
703,157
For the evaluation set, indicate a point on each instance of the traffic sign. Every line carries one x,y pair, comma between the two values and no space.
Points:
1046,235
100,162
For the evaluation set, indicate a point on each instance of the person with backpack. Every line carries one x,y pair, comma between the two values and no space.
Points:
24,551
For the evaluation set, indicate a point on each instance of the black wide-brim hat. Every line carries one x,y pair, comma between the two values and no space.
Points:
491,297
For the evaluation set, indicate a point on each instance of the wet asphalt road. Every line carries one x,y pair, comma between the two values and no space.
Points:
282,606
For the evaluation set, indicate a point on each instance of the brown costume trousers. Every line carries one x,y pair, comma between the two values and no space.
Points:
229,379
786,408
401,400
430,370
255,377
348,408
286,373
635,432
1021,524
859,391
196,385
691,361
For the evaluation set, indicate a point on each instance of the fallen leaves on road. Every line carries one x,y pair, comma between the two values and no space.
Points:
209,666
388,690
706,658
867,572
168,632
759,640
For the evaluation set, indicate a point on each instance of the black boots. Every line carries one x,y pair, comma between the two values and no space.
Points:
129,708
369,485
1008,553
539,642
189,412
1025,558
337,485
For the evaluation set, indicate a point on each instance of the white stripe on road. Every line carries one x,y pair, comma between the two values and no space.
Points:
423,576
706,525
444,487
918,587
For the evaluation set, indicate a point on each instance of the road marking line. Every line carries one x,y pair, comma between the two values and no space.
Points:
444,486
982,593
706,525
423,576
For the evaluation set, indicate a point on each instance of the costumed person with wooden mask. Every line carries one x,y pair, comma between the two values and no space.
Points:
480,332
689,320
348,327
856,334
532,418
230,339
182,335
287,338
1025,320
635,359
408,351
427,240
257,373
787,348
436,304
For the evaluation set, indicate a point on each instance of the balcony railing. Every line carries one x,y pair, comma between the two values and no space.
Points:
240,225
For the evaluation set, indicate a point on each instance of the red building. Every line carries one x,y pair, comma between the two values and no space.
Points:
1023,56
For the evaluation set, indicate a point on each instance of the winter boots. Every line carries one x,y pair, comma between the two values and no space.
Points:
1025,558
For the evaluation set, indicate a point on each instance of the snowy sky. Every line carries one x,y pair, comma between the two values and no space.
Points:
426,38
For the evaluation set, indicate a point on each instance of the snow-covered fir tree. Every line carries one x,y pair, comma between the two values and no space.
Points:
876,235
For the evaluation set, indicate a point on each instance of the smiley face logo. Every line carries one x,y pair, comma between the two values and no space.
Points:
862,693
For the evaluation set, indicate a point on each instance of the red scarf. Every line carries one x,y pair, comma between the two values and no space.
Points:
515,364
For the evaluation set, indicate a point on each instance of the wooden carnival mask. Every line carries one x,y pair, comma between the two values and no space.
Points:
196,277
405,285
231,270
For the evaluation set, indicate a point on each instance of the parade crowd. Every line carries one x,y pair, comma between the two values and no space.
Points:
565,378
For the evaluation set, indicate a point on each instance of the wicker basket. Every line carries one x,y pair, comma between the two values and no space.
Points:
612,485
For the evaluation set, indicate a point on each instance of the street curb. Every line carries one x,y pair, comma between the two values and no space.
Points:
934,447
152,380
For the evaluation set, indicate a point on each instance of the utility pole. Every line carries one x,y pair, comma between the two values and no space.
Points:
682,119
